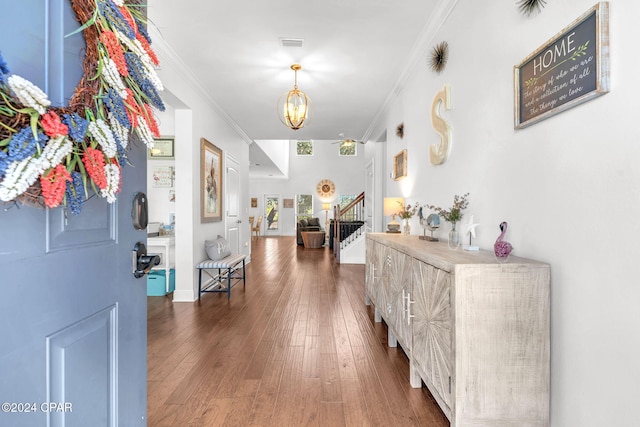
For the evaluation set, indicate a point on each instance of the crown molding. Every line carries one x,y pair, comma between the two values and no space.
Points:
422,44
169,58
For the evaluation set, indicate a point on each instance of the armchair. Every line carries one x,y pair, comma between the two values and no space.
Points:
311,224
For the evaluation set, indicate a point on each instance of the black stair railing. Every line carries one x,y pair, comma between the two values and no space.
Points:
348,224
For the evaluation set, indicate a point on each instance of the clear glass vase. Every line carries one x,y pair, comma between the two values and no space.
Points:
454,236
406,227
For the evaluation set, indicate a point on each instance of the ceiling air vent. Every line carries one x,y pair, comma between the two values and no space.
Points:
289,42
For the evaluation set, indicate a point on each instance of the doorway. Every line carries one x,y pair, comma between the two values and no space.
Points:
271,214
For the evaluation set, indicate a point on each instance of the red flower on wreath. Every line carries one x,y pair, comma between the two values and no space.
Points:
52,125
127,16
94,164
111,43
147,47
54,184
151,121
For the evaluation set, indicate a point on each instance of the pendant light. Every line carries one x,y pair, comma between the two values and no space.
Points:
294,106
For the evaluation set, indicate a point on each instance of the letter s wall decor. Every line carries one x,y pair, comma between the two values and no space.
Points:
438,153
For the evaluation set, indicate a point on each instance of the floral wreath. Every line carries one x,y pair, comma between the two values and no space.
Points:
52,156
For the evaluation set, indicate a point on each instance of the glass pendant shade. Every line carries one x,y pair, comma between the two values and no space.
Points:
293,107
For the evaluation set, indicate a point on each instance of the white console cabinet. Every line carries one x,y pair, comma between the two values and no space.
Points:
476,331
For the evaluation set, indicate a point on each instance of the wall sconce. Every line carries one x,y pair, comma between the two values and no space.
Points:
391,207
294,106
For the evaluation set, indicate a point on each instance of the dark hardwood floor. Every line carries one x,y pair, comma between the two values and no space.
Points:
297,347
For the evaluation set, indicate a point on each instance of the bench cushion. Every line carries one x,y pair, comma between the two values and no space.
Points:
226,262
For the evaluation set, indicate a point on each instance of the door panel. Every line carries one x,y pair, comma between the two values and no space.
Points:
399,285
233,204
432,325
74,315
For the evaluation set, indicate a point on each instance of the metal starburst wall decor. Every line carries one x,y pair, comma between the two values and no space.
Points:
529,7
439,57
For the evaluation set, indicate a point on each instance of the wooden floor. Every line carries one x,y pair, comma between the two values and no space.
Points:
297,347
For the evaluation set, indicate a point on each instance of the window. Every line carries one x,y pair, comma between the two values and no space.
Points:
343,201
348,147
304,206
304,148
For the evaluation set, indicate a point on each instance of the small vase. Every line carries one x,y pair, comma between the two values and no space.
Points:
454,237
406,228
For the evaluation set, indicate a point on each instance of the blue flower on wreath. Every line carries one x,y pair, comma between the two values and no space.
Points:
139,74
75,193
3,68
142,29
77,126
117,107
23,144
4,163
122,152
115,18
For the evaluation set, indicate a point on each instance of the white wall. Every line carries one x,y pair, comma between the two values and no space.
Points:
304,174
569,187
196,117
159,204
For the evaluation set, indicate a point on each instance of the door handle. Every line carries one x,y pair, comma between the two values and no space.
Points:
141,262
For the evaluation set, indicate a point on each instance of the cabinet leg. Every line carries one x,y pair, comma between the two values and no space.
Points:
414,377
367,300
391,339
377,316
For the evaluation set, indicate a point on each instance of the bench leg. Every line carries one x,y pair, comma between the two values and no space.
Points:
199,283
229,283
244,276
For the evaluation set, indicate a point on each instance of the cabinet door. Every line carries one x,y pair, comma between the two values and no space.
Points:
432,327
399,286
382,263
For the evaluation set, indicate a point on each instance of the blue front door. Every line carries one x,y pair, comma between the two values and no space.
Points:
73,317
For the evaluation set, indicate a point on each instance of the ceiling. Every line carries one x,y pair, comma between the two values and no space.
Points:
354,55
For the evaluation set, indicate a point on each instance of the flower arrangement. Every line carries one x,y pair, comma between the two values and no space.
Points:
454,214
54,156
408,211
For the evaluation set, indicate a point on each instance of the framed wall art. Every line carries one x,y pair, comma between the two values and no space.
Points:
210,182
163,176
163,149
254,202
287,203
570,68
400,165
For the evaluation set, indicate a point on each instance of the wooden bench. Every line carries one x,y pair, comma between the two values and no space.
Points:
228,269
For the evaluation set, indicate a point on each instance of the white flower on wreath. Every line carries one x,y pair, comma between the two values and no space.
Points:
113,182
55,151
103,135
113,79
19,176
29,94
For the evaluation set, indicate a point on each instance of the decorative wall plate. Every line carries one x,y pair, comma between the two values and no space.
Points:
326,188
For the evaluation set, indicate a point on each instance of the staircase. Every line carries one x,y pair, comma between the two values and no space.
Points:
347,229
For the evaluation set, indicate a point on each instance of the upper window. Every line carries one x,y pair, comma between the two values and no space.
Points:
348,148
304,148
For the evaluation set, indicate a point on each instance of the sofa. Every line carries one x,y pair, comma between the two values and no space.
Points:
309,224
